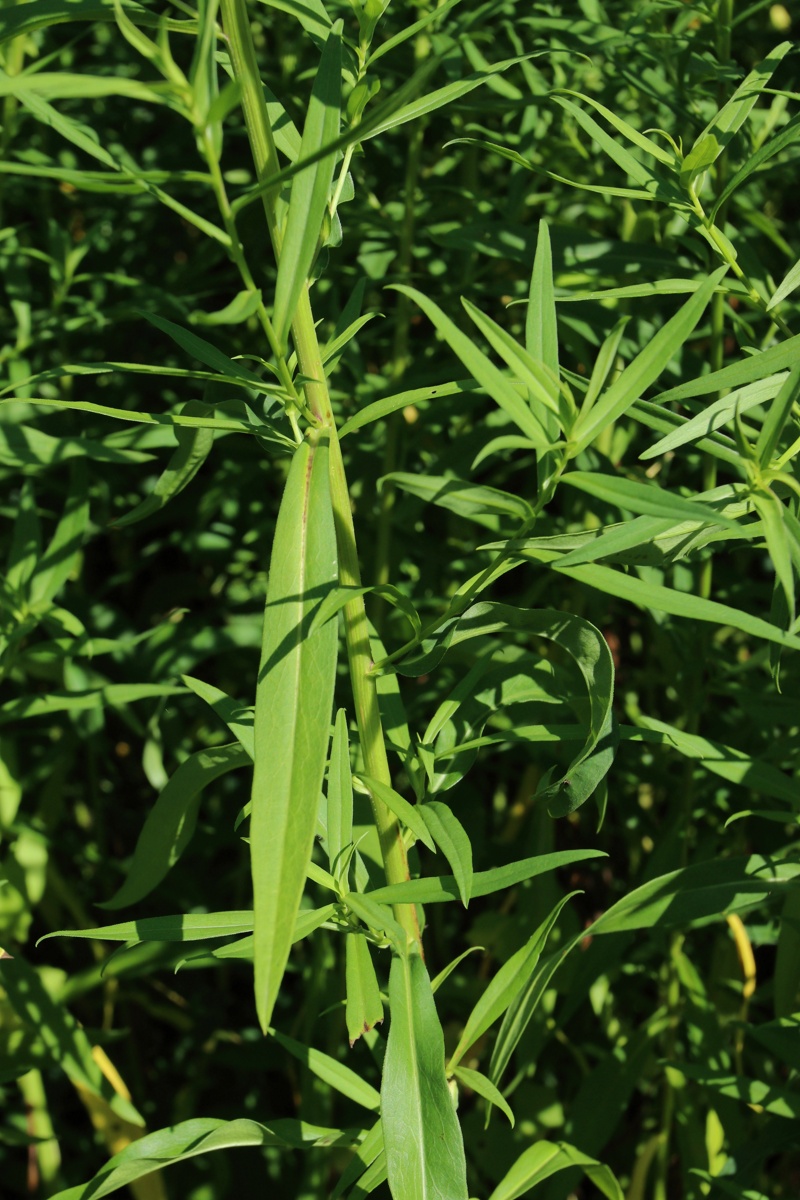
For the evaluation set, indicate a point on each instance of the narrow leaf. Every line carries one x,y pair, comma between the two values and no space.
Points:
646,367
451,838
294,698
364,1008
424,1147
311,187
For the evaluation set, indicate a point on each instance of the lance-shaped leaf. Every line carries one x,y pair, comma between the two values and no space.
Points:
424,1147
631,385
364,1005
451,838
509,981
200,1136
310,188
171,822
544,1159
294,699
194,447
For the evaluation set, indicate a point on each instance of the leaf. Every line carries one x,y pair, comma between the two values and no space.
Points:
589,649
409,814
58,562
790,282
364,1155
436,889
716,415
199,1136
482,369
766,1097
334,1073
203,351
189,927
308,201
646,367
705,891
390,404
340,597
544,1159
66,1043
726,761
424,1147
679,604
474,501
509,981
644,498
171,822
294,698
484,1087
542,388
38,14
364,1008
777,416
194,447
238,718
747,370
451,838
541,328
340,792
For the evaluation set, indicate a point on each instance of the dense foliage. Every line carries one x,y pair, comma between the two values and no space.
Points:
554,262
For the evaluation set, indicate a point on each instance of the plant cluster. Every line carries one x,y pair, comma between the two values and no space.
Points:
400,416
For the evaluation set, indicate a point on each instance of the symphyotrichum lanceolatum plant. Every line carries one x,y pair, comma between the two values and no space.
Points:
400,419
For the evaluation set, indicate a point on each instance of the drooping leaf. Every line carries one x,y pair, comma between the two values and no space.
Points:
171,822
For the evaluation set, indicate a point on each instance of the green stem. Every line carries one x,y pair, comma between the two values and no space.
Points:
315,387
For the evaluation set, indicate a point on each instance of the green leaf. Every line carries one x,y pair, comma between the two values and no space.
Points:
541,327
646,367
203,351
200,1136
544,1159
340,792
777,416
65,1042
722,127
171,822
482,369
58,562
703,892
679,604
542,388
589,649
716,415
644,498
364,1156
726,761
409,814
747,370
790,282
39,14
506,985
474,501
390,404
189,927
294,698
364,1008
437,889
194,447
767,1097
771,511
334,1073
484,1087
340,597
424,1147
236,716
310,188
451,838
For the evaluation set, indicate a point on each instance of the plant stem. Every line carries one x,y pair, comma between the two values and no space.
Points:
315,387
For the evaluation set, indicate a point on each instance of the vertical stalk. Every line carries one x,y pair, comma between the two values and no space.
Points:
365,695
